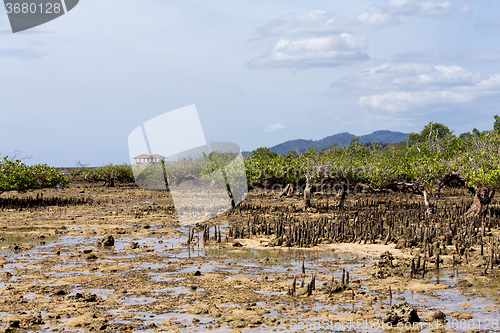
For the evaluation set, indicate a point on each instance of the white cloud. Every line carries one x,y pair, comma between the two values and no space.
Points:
406,76
395,101
322,22
329,51
474,55
274,128
401,87
425,8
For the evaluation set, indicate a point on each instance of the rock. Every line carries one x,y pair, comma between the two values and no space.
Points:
197,273
15,248
91,256
87,320
83,298
386,259
281,308
333,287
36,319
459,315
463,284
106,241
12,326
209,309
240,318
438,315
401,312
59,292
301,291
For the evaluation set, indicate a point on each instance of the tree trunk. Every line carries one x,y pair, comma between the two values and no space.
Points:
340,199
482,199
305,204
430,201
431,194
288,191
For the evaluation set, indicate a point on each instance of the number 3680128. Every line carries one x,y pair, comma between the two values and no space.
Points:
32,8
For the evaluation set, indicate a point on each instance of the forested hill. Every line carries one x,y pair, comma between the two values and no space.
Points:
342,139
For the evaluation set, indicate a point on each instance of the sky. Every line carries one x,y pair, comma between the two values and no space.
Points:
259,72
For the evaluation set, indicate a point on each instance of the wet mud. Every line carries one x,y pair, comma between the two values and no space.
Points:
61,272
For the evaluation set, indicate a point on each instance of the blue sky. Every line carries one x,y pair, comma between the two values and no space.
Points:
260,73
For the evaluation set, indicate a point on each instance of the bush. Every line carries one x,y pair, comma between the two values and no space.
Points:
17,176
109,174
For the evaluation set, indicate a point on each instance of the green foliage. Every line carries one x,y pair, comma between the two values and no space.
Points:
479,163
431,132
264,153
17,176
109,174
79,170
496,124
265,165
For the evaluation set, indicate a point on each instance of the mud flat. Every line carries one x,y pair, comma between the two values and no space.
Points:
60,271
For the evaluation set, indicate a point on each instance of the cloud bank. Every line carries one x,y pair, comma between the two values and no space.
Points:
322,22
424,8
402,87
329,51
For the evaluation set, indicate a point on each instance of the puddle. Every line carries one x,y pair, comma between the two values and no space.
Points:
174,290
32,296
164,268
270,293
9,244
103,293
141,300
156,277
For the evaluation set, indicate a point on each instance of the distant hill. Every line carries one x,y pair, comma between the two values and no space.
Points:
342,139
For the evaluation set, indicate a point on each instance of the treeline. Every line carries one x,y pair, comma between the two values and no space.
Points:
423,164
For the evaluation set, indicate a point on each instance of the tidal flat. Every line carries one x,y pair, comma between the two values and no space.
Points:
92,258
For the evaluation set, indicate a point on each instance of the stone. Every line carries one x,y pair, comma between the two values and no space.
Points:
438,315
59,292
106,241
401,313
91,256
463,284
